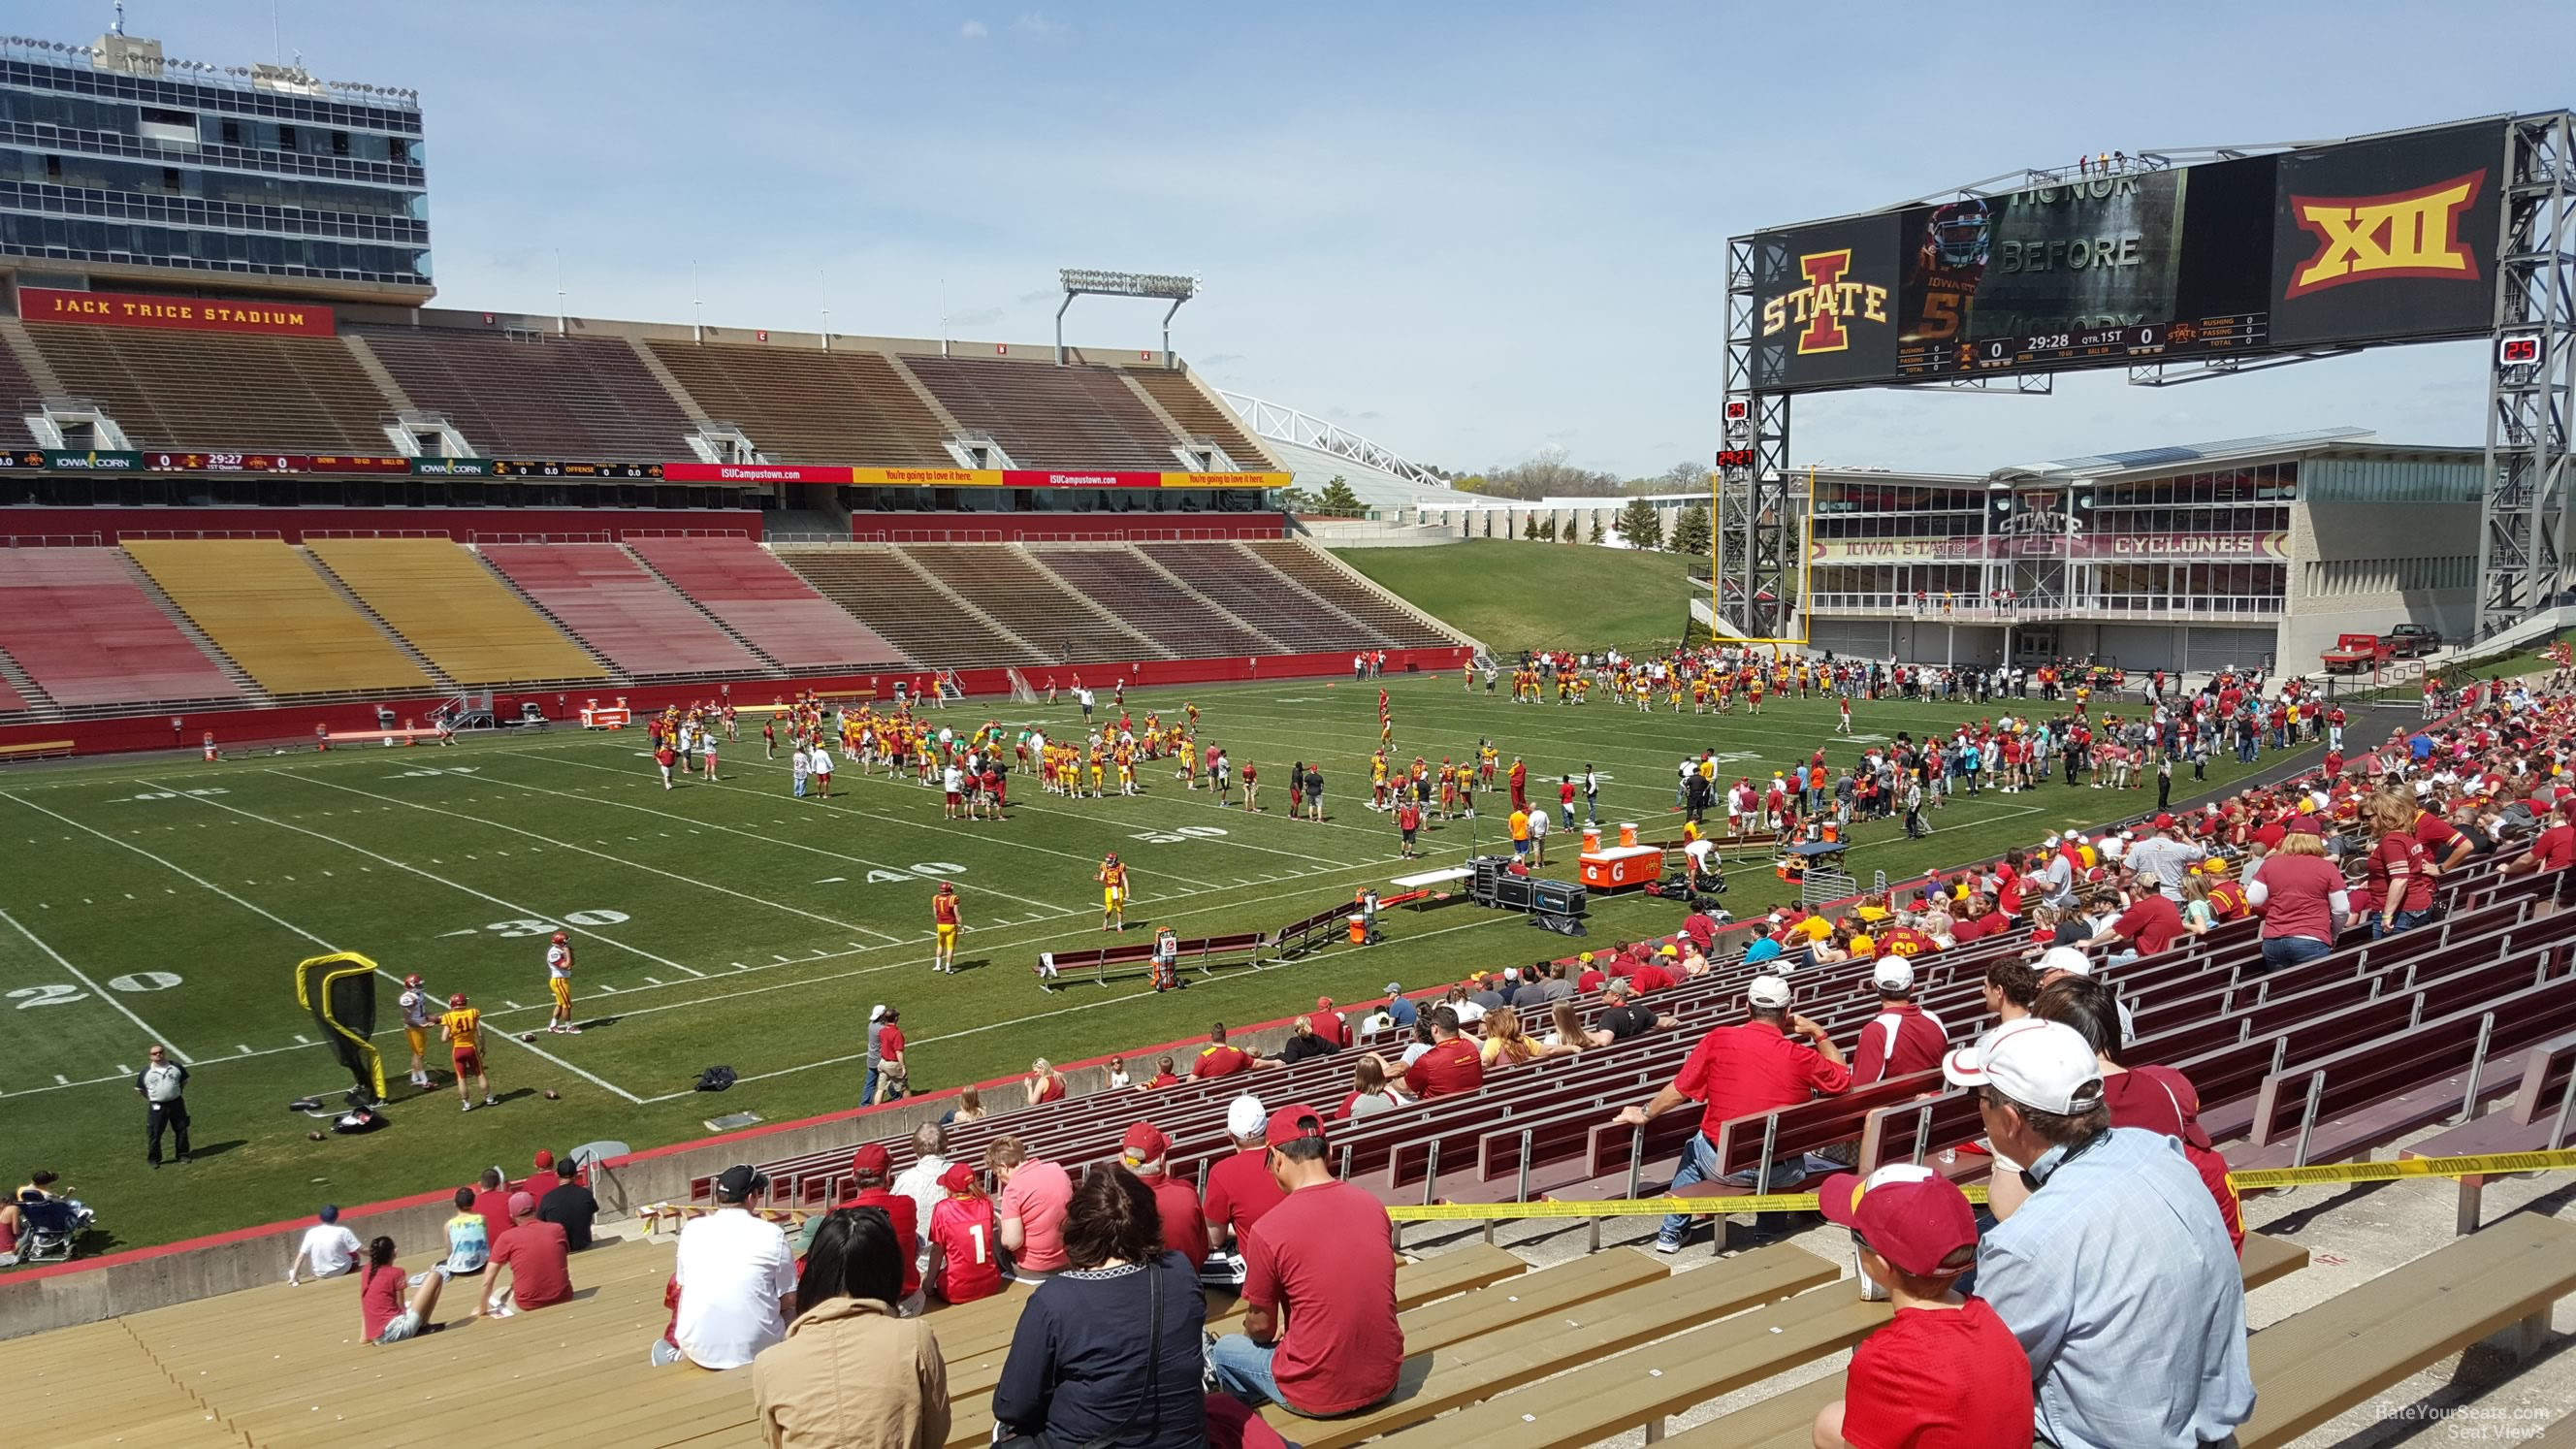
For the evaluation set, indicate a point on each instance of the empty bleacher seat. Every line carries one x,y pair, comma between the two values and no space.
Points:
616,606
440,597
16,390
873,583
516,397
1224,573
1201,416
79,622
265,605
765,602
1327,580
1119,580
1051,417
221,391
804,406
1027,600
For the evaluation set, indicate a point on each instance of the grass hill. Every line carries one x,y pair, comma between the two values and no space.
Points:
1516,594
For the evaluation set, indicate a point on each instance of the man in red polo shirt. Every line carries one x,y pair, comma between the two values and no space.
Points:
1320,1336
1739,1071
2151,924
1652,975
1216,1059
1452,1066
1903,1038
871,1169
1240,1191
1330,1024
1145,1150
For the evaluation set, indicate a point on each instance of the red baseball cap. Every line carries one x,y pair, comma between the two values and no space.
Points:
545,1159
958,1178
1144,1143
1291,1123
872,1157
1910,1215
2164,822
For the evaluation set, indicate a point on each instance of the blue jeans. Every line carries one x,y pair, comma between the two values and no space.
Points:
1243,1370
1699,1164
868,1093
2281,951
2402,921
1569,815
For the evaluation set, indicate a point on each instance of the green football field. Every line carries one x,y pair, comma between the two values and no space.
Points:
729,923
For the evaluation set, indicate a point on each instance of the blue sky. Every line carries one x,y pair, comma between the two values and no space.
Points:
1472,232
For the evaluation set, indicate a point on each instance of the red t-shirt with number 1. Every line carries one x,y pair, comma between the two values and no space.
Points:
1939,1378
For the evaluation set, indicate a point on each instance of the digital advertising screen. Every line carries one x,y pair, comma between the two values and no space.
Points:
2389,239
1826,300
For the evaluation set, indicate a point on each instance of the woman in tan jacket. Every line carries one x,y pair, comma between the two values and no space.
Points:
851,1375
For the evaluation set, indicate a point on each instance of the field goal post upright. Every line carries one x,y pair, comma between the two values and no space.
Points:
1758,546
2530,471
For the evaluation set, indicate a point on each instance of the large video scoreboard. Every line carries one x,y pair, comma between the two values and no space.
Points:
2387,239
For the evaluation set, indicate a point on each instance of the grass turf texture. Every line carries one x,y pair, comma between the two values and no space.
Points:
728,923
1513,594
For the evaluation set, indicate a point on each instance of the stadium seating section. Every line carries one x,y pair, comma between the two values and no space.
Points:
1236,581
634,620
465,621
17,390
274,613
1029,602
222,393
79,622
520,397
1120,580
810,407
1341,589
875,583
1198,414
761,599
1072,417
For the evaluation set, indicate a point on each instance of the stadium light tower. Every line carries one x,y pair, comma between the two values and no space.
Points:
1087,281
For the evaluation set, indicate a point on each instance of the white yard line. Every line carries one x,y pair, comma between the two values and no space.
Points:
559,843
289,926
95,989
749,834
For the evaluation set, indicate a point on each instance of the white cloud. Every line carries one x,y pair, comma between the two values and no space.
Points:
1035,22
974,30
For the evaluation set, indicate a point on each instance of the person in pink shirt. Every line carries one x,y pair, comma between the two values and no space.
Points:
1031,1205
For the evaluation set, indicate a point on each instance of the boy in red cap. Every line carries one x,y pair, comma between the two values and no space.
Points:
871,1169
1145,1151
1945,1373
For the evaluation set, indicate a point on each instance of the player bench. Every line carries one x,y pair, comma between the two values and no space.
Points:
1205,952
1299,937
387,737
36,750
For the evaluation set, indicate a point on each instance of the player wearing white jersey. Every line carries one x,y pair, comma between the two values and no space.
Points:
420,1013
559,982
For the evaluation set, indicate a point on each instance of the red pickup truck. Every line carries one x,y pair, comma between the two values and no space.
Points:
2354,653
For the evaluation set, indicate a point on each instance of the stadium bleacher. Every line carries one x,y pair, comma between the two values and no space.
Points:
875,583
1338,587
1052,417
81,626
766,603
17,390
603,597
273,613
1118,579
454,611
1200,416
225,392
801,406
1236,581
535,396
1015,592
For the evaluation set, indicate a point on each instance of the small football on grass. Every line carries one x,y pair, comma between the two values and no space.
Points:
552,1094
315,1136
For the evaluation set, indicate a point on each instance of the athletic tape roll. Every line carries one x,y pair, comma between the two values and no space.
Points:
2494,1164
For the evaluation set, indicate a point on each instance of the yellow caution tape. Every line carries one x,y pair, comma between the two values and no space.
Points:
2494,1164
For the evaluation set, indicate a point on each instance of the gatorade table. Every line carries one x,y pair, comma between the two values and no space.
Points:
1619,866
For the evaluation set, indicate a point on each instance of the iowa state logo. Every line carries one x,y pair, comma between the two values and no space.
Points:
1821,307
2408,234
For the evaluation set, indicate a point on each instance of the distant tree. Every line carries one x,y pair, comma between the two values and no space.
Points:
1547,530
1596,529
1690,531
1338,499
1298,500
1548,475
1529,527
1639,525
1686,477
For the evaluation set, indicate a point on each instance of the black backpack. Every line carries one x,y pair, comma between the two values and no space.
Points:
715,1079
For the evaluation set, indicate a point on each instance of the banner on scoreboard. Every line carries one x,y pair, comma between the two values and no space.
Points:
2271,547
175,314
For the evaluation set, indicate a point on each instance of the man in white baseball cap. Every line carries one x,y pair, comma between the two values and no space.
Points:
2062,961
1774,1059
2114,1232
1239,1190
1903,1038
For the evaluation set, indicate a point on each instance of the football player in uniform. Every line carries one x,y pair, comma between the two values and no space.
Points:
944,926
462,1027
559,982
1113,893
417,1019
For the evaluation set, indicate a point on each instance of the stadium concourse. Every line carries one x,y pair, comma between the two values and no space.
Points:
2318,970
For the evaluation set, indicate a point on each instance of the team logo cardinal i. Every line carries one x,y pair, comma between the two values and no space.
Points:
1825,305
2406,234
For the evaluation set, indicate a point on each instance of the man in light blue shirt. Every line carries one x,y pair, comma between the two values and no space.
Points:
2115,1272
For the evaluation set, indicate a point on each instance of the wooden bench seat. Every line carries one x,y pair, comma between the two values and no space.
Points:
2314,1365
